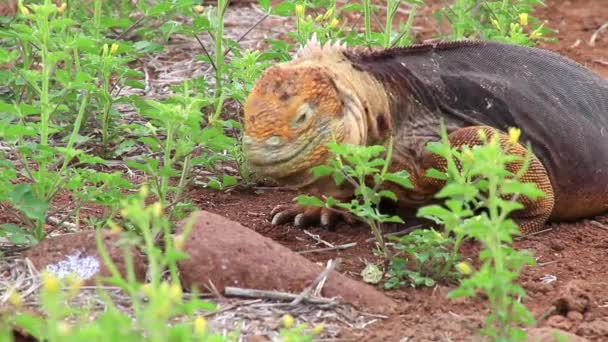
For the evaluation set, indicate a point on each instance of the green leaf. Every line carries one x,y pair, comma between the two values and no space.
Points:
309,201
401,178
24,199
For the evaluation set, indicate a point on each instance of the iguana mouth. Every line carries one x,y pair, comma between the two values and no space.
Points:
279,164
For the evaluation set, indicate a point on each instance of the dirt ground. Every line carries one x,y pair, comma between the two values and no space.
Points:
570,257
567,289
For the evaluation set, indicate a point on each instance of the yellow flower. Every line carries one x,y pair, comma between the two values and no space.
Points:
200,324
50,282
114,228
24,10
328,14
523,19
299,10
15,298
288,321
318,329
463,268
114,48
178,242
514,134
495,23
198,8
144,191
64,328
175,292
157,209
536,33
147,289
62,8
334,22
74,285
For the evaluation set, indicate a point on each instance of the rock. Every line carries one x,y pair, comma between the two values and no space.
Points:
573,297
559,322
225,253
77,253
575,316
550,335
598,328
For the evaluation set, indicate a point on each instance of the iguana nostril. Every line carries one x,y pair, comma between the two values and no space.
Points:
274,141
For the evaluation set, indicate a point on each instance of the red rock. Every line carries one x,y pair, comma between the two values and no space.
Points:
78,253
225,253
549,335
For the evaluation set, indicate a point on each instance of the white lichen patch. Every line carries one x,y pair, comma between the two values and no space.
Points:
84,267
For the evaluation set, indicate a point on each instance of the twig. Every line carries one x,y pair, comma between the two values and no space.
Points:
597,33
205,51
327,249
275,295
246,33
598,224
306,293
600,61
317,238
545,314
535,233
401,232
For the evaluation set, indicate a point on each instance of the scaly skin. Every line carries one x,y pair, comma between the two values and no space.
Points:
363,97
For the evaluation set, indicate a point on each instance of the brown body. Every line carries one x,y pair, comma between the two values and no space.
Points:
364,97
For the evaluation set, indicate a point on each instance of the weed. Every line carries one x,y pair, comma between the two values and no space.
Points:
483,183
505,21
356,165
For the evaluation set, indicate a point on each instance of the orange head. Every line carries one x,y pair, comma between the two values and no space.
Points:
290,116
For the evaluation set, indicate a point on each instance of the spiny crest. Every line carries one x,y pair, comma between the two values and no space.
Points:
313,48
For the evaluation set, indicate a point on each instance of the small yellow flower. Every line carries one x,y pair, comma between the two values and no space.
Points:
318,329
62,8
178,242
24,10
198,8
514,134
144,191
463,268
64,328
496,24
74,285
157,209
147,289
200,324
15,298
299,10
334,22
114,228
328,14
438,235
288,321
523,19
50,282
536,33
175,292
114,48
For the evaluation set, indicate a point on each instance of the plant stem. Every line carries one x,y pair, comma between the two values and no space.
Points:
164,182
368,24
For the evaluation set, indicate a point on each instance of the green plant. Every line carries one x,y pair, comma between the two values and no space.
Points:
432,254
478,180
508,21
359,166
160,311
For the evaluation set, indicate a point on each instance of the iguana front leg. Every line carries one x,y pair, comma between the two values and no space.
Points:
535,213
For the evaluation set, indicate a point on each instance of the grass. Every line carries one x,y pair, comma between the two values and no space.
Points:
71,73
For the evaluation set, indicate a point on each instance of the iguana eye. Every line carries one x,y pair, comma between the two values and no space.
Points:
304,113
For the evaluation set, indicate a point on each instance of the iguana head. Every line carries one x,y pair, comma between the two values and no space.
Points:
291,115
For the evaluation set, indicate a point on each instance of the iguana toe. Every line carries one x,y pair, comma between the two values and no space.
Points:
303,217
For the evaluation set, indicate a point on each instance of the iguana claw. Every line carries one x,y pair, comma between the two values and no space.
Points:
303,217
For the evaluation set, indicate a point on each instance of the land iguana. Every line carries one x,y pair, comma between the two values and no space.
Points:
362,96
